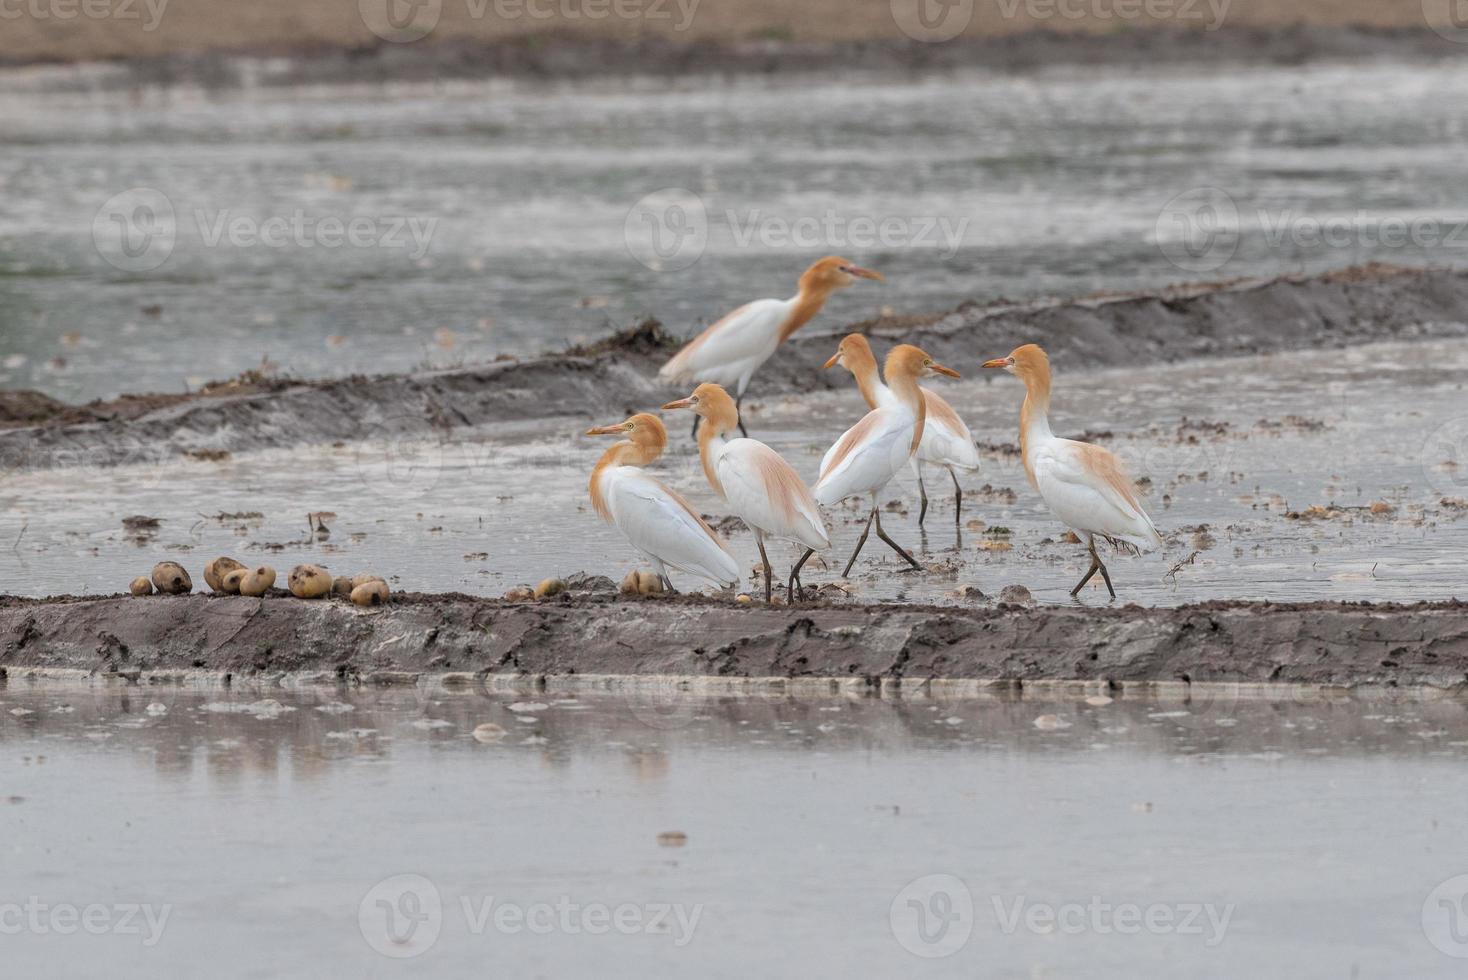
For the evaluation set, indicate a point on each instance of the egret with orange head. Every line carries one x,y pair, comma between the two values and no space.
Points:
730,351
1084,485
947,441
759,486
867,457
659,523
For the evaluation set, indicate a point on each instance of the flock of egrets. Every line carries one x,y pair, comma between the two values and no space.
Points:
906,426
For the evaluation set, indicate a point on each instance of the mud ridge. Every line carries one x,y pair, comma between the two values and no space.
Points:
618,375
217,63
1311,643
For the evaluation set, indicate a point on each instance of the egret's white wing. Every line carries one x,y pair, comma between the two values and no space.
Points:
767,493
1088,498
946,439
660,523
867,456
739,342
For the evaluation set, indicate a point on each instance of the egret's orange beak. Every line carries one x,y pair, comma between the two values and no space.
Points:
998,362
680,403
947,372
606,430
835,359
861,273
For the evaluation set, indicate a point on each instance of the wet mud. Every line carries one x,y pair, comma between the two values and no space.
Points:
618,375
594,632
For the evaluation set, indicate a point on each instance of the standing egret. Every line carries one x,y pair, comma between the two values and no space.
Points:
1085,486
729,352
759,486
659,523
947,441
872,452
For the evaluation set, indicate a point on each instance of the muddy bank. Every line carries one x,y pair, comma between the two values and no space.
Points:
617,376
1319,643
349,53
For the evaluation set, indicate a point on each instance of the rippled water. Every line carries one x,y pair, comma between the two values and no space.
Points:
276,832
1231,446
1052,183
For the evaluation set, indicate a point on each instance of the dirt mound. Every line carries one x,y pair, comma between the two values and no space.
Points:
617,375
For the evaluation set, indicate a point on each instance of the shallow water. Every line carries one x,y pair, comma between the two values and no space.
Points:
1054,183
1231,444
278,832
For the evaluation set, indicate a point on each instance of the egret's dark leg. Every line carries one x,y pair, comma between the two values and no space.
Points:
893,544
957,496
667,584
923,495
796,589
1096,566
860,541
739,407
759,539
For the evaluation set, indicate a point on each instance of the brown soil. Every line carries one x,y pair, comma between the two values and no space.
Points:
566,37
594,632
618,375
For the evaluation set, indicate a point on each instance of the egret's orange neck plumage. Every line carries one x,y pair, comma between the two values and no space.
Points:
857,355
1033,368
720,415
903,368
643,445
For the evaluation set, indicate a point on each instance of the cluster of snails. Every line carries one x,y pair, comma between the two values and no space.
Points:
225,576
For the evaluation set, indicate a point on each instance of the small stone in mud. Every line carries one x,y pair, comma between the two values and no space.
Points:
257,581
370,593
170,578
995,546
1051,723
672,838
488,732
520,593
586,582
1017,595
549,587
968,593
1382,507
1070,537
1202,541
743,599
156,709
309,582
141,586
216,570
1098,700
